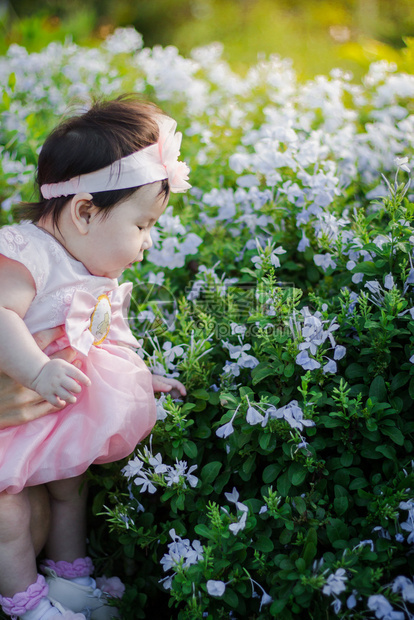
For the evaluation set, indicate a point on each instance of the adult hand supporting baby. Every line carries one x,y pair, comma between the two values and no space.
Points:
18,404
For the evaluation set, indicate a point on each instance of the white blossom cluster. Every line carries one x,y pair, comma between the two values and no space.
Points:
158,473
261,414
336,583
242,509
311,335
181,552
309,147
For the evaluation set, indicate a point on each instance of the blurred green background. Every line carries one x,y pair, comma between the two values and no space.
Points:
317,34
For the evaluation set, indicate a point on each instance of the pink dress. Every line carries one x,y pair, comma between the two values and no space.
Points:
118,409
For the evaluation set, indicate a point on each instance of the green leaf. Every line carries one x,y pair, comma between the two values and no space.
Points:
201,394
210,471
367,267
378,389
309,552
371,424
283,484
394,433
297,474
346,459
354,371
289,370
214,398
336,530
411,388
231,598
264,440
387,451
340,505
399,380
261,371
264,544
12,81
270,473
358,483
249,465
285,537
278,606
300,504
129,550
300,565
190,449
202,530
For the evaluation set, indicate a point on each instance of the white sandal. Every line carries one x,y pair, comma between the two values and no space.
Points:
87,600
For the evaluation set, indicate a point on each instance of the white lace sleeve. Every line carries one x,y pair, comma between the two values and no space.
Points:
17,243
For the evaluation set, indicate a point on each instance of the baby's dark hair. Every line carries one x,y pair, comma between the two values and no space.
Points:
108,131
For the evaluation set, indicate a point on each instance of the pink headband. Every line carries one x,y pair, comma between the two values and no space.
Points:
152,163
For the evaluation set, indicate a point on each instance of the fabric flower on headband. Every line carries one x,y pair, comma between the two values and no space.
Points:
153,163
169,142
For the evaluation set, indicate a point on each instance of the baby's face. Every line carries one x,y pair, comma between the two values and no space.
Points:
120,239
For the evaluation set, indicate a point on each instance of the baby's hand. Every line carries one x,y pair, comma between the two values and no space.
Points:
167,384
58,381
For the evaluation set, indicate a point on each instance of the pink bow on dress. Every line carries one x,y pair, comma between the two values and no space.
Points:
83,306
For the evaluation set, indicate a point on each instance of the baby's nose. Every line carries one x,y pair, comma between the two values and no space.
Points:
148,242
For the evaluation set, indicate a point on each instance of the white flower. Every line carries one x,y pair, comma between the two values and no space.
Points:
335,584
330,367
216,588
146,484
405,586
240,525
303,243
357,278
157,464
181,550
133,468
340,352
364,543
226,430
253,416
307,362
292,413
351,600
389,281
383,609
192,480
401,162
325,261
382,533
232,497
336,604
123,41
161,412
265,600
273,257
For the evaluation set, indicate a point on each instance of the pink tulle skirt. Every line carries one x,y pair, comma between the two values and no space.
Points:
109,419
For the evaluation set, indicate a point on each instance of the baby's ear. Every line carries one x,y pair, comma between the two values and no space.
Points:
82,210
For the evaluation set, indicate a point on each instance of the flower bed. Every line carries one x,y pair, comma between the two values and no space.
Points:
280,291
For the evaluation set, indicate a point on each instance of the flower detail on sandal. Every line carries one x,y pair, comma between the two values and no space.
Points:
82,567
27,600
112,586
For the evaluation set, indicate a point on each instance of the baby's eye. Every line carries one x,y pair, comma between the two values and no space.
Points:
141,227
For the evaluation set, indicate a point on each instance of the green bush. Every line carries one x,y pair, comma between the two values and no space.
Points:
318,460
